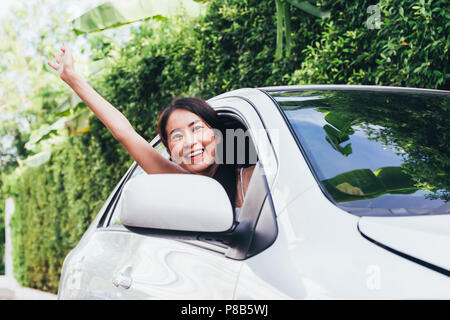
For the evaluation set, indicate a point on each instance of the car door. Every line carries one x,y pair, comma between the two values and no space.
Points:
113,262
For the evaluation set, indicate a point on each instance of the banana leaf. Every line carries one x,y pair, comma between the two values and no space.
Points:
309,8
45,133
38,159
71,102
117,13
280,20
76,120
340,122
79,122
287,27
363,184
396,180
284,21
363,179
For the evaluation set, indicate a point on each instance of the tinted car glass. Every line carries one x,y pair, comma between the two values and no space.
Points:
375,152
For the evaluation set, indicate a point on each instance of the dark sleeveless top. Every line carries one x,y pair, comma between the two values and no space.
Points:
226,176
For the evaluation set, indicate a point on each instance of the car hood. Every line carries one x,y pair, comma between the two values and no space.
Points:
422,239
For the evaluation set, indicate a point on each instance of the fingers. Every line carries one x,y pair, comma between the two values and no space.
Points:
58,62
52,65
58,59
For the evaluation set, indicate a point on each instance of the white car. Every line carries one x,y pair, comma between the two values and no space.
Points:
349,200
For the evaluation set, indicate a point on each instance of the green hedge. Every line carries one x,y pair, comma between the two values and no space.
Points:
54,204
410,47
232,46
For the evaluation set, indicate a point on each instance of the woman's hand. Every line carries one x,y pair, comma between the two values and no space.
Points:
64,64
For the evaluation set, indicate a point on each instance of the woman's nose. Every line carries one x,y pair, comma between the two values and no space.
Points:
191,139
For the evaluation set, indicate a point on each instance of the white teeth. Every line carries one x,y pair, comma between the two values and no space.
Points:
196,153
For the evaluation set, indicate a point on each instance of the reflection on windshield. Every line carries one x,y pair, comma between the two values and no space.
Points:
375,150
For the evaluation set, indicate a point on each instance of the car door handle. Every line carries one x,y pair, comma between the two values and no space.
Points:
122,281
123,278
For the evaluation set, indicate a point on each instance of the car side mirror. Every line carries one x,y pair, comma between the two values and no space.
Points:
182,202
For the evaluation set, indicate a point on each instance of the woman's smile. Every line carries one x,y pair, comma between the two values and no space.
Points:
196,156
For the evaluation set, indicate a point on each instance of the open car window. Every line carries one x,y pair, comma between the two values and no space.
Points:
257,216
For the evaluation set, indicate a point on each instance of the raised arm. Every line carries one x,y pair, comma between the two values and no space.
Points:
141,151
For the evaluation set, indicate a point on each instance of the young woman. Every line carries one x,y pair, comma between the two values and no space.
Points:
187,128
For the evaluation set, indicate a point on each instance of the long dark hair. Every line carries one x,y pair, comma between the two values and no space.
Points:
226,173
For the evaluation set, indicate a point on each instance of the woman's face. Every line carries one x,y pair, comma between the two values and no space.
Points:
191,141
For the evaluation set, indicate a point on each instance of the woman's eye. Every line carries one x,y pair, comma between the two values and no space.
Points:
197,128
176,136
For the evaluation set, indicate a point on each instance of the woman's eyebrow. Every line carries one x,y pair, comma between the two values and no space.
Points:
189,125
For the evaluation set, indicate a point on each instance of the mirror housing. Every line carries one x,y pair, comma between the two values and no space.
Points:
181,202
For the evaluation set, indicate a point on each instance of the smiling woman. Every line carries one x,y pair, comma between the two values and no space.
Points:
189,128
194,137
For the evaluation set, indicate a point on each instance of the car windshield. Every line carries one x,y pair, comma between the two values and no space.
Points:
375,153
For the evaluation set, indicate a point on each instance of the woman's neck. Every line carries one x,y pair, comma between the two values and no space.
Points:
210,171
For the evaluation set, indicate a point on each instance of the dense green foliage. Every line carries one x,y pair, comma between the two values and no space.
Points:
232,46
410,46
54,204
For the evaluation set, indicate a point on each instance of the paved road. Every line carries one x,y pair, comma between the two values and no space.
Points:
11,290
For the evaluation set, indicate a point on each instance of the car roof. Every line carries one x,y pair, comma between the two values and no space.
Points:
351,87
248,92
